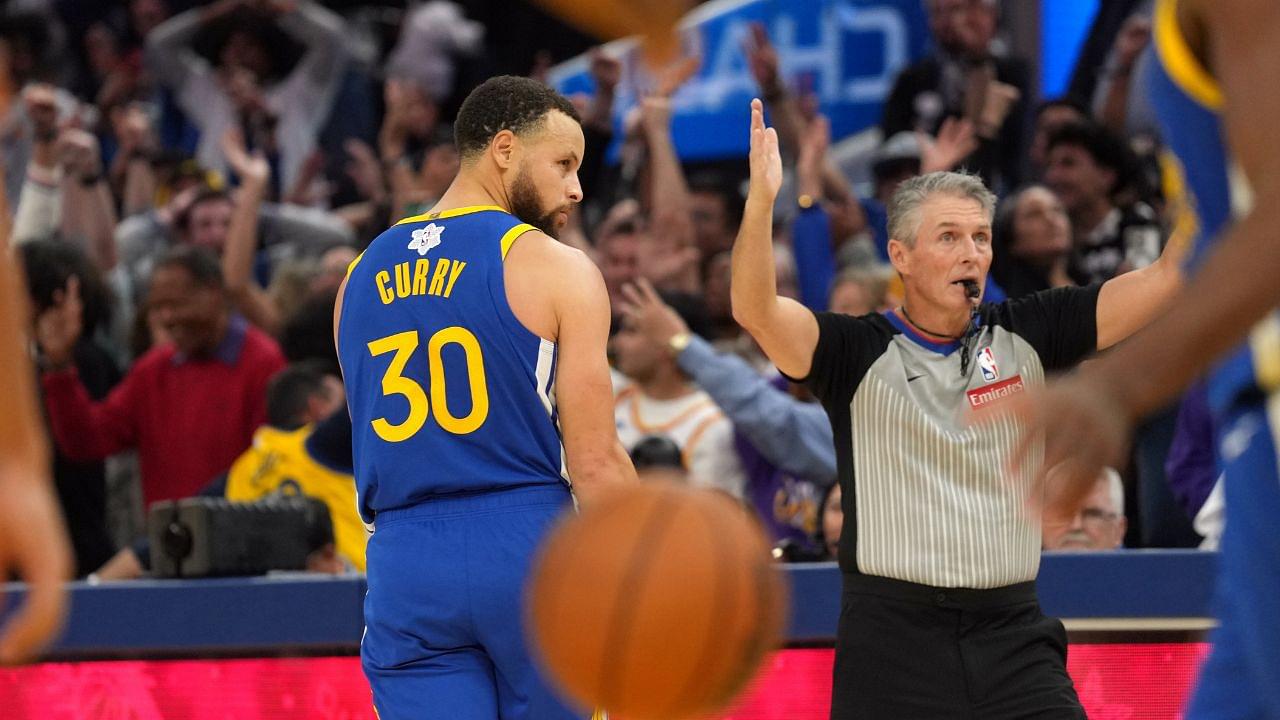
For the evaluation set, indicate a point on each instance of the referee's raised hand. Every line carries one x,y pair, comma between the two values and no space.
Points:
765,159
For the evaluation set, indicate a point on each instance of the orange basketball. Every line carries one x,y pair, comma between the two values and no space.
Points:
659,601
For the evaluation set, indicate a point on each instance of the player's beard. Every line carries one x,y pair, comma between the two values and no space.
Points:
526,205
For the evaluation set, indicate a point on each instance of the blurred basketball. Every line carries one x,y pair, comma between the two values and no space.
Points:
654,21
659,601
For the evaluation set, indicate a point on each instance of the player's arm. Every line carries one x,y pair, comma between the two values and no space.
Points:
32,539
1127,302
1237,284
584,392
785,329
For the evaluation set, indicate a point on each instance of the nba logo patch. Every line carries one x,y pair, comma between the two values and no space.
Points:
987,364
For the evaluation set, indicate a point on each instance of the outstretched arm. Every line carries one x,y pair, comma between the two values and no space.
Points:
785,329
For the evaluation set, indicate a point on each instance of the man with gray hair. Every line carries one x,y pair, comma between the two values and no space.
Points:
1098,525
939,553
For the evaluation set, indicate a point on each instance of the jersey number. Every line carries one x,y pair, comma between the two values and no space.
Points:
394,382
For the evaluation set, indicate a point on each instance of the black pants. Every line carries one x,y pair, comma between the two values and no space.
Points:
907,651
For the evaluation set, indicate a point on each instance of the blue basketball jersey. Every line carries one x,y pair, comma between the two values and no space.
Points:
1205,189
448,392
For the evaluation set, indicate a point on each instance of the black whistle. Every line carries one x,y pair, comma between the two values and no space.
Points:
971,289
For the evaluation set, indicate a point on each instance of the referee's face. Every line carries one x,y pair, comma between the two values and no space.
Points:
953,245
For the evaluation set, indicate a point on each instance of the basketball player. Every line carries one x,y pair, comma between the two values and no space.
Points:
1212,83
473,349
33,541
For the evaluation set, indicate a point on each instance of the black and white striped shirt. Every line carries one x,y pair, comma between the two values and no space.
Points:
927,497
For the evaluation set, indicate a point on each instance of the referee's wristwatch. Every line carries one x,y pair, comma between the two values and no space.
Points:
679,342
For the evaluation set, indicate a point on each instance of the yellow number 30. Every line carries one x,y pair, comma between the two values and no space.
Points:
394,382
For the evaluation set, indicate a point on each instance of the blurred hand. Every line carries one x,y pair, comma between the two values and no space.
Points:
667,263
132,128
673,75
33,545
249,167
649,315
999,99
394,132
606,70
58,328
78,152
1083,428
1131,41
814,142
41,104
364,170
765,160
762,58
655,114
956,140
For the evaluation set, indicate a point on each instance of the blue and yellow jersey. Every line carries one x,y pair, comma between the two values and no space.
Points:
1205,188
448,392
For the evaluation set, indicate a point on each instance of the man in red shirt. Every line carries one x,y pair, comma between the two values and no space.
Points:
190,406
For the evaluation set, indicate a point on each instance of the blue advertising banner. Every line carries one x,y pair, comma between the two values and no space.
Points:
846,52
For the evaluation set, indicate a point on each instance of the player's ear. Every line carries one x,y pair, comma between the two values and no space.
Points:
503,146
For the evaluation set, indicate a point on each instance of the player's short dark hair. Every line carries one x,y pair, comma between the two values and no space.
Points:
289,391
506,102
200,263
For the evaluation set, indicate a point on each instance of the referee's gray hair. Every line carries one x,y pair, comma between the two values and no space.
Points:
904,206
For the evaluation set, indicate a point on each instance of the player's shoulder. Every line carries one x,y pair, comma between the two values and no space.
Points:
539,253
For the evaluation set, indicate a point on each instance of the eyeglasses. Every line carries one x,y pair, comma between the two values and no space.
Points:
1090,517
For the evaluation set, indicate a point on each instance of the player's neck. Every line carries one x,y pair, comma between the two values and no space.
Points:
468,191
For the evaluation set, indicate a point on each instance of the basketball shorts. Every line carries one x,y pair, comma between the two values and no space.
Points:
913,652
444,626
1241,678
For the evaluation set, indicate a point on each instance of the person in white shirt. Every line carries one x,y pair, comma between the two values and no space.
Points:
657,398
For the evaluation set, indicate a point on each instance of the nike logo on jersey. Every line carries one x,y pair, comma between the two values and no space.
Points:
913,378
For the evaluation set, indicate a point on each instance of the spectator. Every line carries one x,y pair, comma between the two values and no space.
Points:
1098,525
189,406
287,454
964,78
658,398
1088,168
81,486
201,216
1032,243
1051,116
858,291
280,109
832,520
783,443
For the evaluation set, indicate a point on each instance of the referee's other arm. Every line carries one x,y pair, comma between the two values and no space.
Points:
786,330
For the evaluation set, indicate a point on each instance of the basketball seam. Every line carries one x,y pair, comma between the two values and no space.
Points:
638,564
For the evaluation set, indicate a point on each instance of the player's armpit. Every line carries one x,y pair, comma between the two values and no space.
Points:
584,391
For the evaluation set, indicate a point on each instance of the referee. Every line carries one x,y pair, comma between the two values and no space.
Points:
939,617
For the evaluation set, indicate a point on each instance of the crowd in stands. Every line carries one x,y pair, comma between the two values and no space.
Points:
186,183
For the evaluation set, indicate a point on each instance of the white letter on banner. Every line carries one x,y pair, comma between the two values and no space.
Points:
729,73
822,59
888,22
